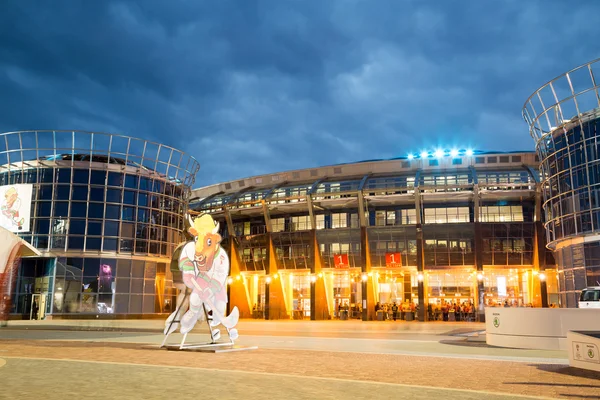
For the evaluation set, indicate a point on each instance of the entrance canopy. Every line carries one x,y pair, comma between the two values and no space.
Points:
8,241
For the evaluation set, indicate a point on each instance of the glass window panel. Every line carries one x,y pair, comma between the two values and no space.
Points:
45,192
124,268
42,226
61,209
93,243
111,228
149,286
113,195
135,304
128,214
98,177
77,227
106,278
112,212
110,245
91,267
96,194
75,242
150,270
128,197
62,192
126,245
44,209
145,184
96,210
90,284
115,179
123,285
149,304
142,215
137,269
47,175
137,286
121,303
142,199
131,181
81,176
63,175
80,193
78,210
94,228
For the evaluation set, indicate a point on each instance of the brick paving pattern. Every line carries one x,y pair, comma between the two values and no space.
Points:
504,377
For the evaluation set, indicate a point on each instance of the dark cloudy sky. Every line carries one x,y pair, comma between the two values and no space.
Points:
251,87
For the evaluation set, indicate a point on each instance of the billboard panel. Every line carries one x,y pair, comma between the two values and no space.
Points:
15,207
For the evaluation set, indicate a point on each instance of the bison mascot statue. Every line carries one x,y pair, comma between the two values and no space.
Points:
204,267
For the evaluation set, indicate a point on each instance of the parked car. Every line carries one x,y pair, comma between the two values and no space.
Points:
590,297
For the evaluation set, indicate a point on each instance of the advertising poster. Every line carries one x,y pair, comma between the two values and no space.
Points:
15,207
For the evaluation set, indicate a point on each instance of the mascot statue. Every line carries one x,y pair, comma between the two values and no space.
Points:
201,275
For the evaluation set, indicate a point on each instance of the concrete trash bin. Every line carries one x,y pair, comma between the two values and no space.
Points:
409,316
380,315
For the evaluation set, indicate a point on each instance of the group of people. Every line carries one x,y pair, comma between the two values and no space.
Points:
445,311
452,311
394,311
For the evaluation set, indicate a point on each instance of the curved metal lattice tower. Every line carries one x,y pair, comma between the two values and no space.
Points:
564,120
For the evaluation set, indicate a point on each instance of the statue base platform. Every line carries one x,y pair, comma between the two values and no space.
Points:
204,347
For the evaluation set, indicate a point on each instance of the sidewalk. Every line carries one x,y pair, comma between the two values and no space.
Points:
279,326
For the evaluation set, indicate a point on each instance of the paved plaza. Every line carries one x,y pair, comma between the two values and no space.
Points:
295,359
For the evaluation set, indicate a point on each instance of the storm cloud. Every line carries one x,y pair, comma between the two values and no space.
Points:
252,87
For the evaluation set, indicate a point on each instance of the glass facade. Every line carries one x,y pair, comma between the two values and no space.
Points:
564,120
107,212
342,244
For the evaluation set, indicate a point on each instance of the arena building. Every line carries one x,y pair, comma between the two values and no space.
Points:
564,120
105,212
429,229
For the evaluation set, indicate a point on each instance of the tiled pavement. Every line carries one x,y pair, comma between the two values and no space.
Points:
132,370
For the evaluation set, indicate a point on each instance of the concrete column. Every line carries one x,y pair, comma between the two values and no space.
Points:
236,291
421,272
478,249
368,300
275,307
319,309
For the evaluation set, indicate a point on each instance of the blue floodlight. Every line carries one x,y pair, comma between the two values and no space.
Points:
454,153
469,152
424,154
410,156
439,153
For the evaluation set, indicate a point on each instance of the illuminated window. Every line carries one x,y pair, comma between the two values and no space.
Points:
501,213
446,215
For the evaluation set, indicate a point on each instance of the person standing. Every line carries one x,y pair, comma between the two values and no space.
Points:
394,311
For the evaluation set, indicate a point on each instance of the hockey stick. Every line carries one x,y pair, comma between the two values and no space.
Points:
228,322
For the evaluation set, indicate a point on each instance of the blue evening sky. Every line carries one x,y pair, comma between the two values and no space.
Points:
251,87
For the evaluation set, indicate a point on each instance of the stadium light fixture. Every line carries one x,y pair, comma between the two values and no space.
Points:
454,153
469,152
424,154
410,156
439,153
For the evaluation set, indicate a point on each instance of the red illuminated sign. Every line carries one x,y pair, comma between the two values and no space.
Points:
393,259
341,261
